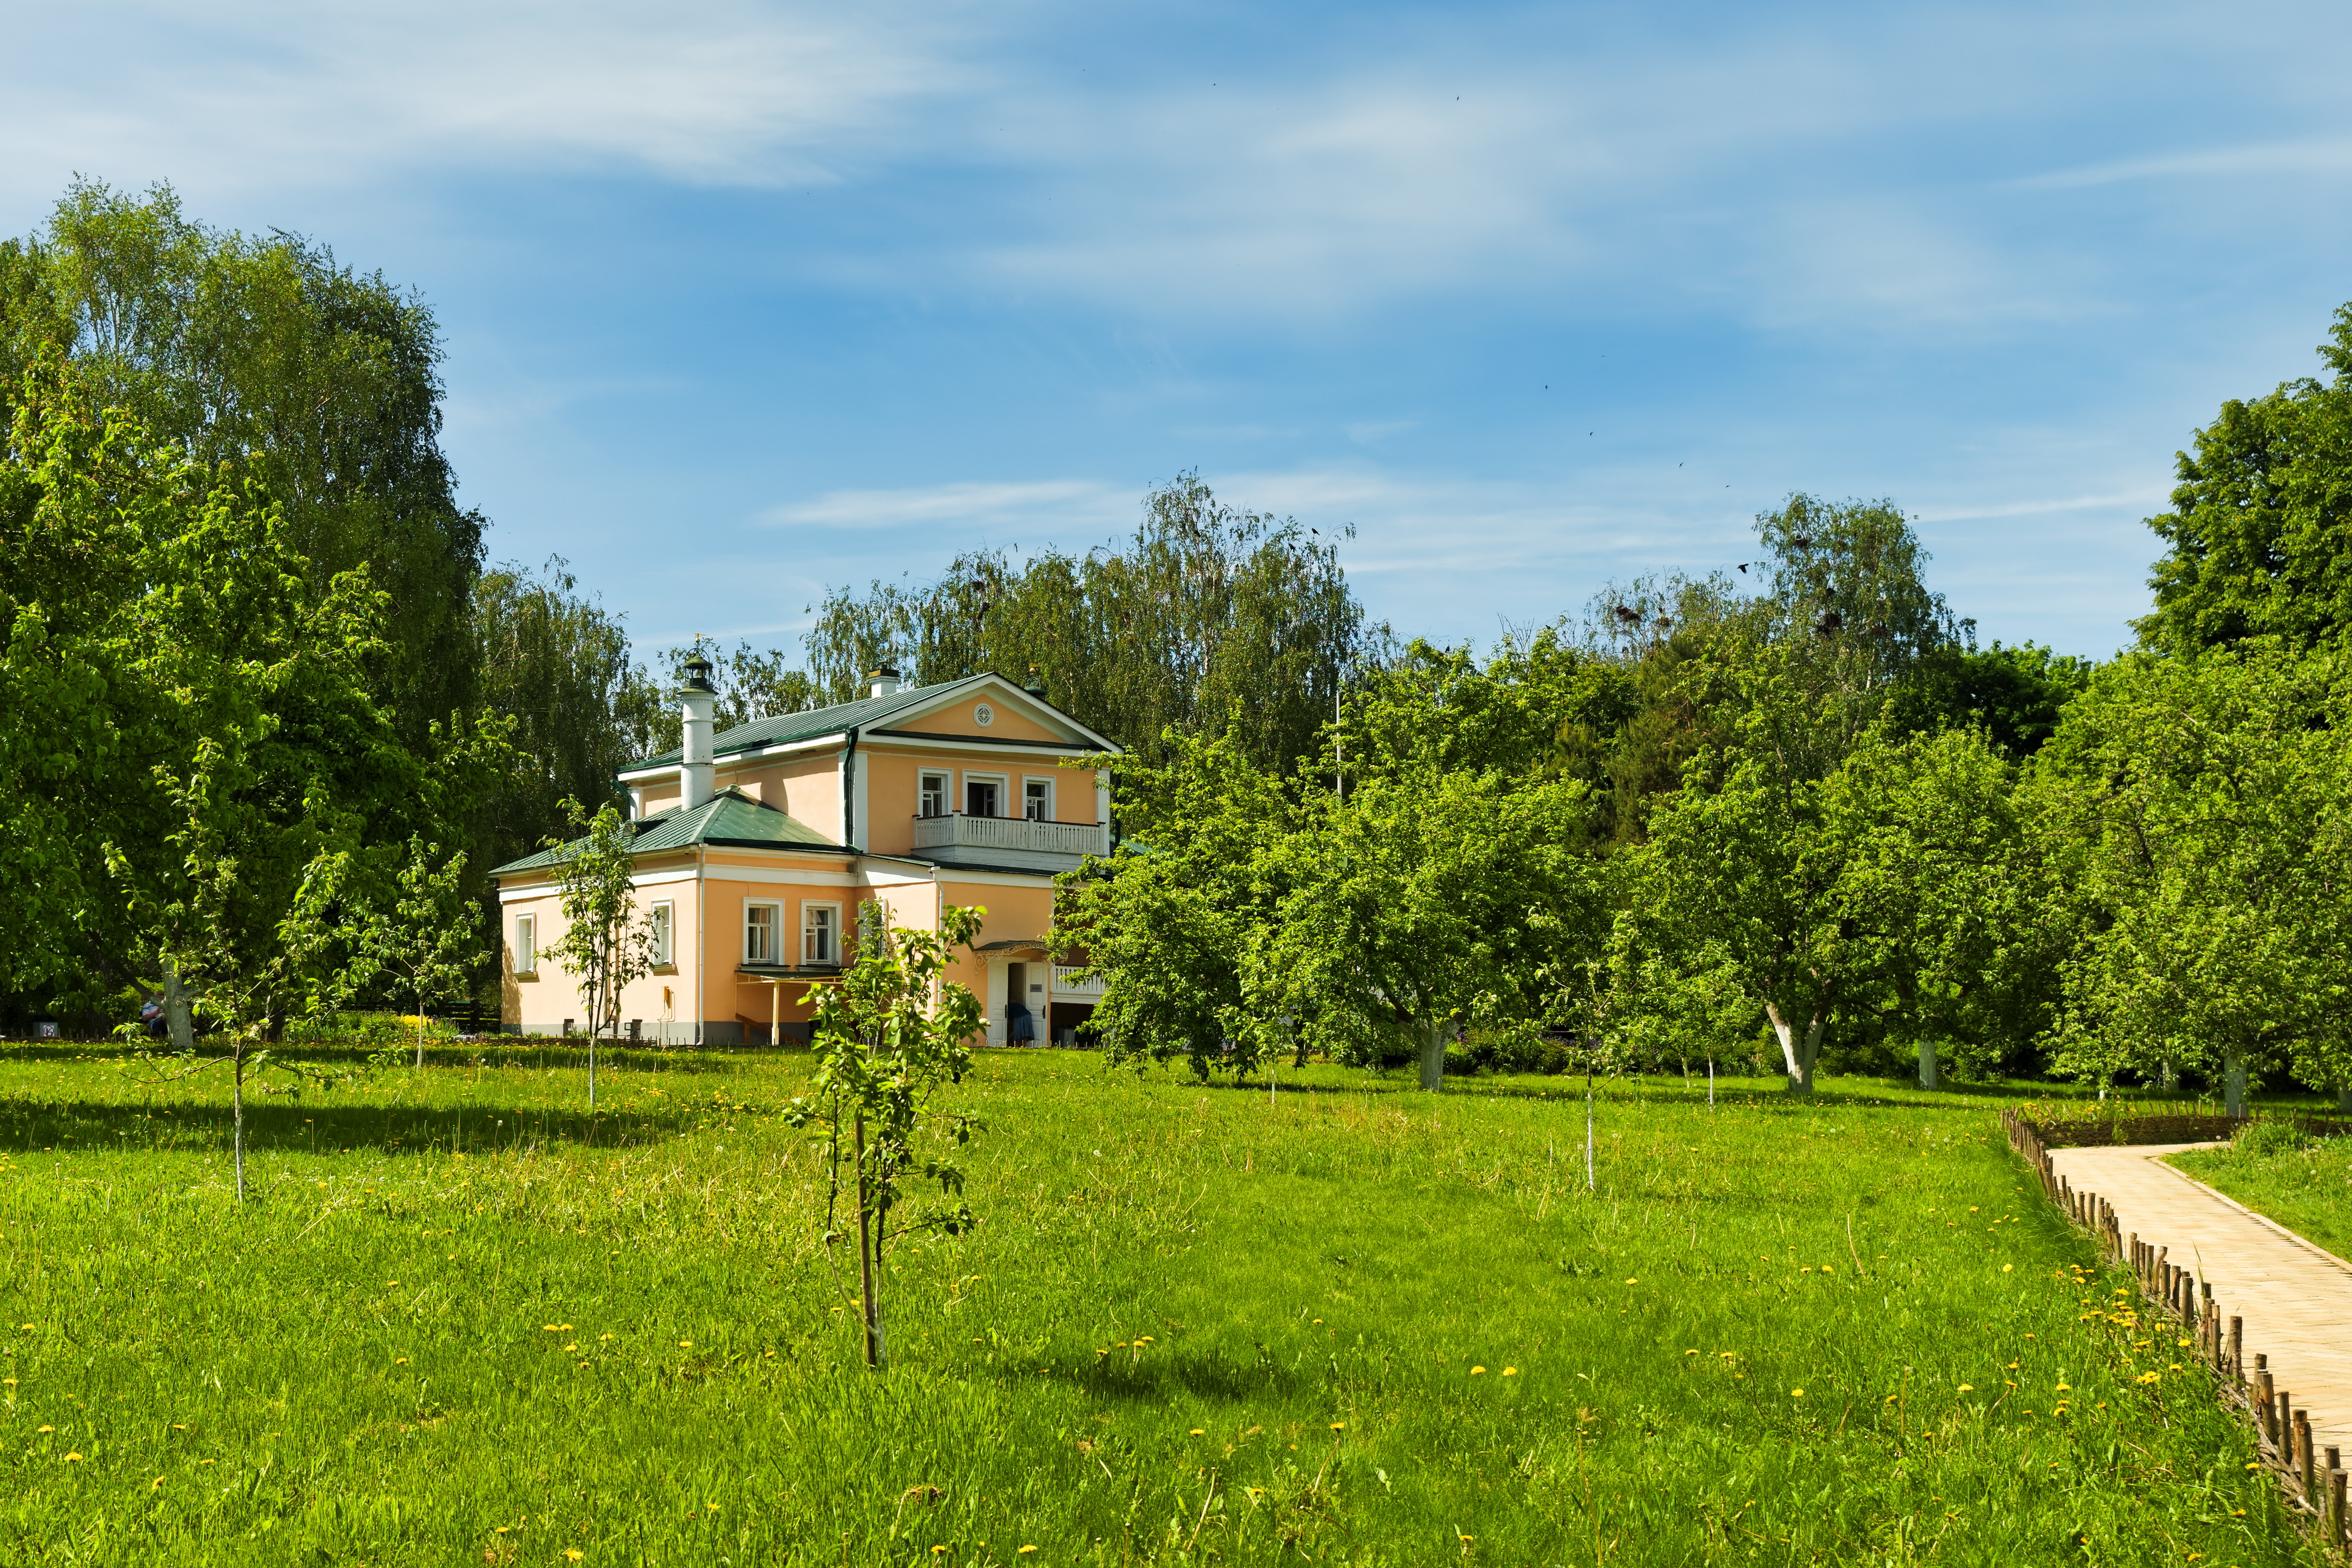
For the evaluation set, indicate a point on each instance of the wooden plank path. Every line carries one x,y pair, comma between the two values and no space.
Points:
2295,1297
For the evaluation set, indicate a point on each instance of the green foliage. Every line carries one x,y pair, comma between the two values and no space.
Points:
556,664
2015,695
2200,814
1872,882
2254,539
1207,614
264,357
890,1033
425,940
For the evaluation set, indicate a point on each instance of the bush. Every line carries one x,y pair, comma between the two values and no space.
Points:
2272,1138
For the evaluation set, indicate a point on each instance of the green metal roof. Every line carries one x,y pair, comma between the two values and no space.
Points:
786,728
730,820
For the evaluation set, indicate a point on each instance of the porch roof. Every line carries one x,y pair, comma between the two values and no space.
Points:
728,820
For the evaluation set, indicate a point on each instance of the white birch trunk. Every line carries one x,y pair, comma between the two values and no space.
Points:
2234,1080
1927,1079
1799,1053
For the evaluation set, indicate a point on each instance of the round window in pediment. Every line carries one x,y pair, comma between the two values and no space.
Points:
983,715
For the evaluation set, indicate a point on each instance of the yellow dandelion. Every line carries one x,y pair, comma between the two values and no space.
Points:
45,1428
685,1344
572,1554
1510,1371
1628,1282
711,1506
1690,1353
1023,1551
72,1459
2007,1267
1967,1388
1796,1393
1338,1425
156,1484
1197,1432
1478,1371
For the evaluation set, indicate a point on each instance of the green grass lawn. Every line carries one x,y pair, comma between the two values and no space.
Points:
2306,1189
463,1322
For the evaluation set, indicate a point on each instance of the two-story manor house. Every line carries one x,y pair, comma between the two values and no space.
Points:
756,849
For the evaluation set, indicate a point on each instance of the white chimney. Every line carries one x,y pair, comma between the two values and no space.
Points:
885,681
696,700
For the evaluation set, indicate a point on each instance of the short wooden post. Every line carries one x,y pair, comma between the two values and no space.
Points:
2303,1474
2238,1348
2267,1397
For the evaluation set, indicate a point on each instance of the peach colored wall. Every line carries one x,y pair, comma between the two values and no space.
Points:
809,787
956,718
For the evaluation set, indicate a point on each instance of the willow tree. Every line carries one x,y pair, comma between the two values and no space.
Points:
1207,614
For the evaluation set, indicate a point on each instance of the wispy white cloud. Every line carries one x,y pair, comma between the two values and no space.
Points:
1037,503
1986,510
2323,156
262,96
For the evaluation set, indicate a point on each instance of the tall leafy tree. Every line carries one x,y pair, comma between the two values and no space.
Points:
264,354
2201,814
150,605
2256,541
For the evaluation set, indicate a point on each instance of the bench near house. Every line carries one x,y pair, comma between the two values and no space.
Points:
755,849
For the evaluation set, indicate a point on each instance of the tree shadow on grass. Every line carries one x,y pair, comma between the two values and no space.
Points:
1158,1378
318,1124
1832,1095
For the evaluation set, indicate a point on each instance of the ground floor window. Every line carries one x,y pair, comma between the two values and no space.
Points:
763,924
526,944
820,933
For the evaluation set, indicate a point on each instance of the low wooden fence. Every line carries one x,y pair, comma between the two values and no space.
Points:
2314,1482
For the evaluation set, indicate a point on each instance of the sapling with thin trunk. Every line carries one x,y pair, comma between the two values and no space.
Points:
601,947
427,938
890,1034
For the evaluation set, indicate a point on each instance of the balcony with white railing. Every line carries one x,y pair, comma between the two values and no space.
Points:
1011,843
1068,987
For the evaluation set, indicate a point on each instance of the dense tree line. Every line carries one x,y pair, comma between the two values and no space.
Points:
1812,820
263,698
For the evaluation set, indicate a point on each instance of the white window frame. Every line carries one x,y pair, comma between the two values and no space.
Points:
775,910
1004,783
526,944
810,907
661,919
1029,780
947,791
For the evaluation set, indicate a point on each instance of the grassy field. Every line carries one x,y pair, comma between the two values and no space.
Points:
2307,1188
465,1321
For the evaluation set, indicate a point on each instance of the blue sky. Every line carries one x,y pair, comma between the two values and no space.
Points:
742,299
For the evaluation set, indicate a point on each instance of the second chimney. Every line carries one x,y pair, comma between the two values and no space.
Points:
883,682
696,700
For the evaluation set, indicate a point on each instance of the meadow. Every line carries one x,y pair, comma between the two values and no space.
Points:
464,1321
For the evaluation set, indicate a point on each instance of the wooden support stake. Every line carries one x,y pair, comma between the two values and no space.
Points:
2334,1501
2303,1472
2238,1348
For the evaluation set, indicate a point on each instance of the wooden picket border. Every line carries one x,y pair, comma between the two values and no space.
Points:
2314,1483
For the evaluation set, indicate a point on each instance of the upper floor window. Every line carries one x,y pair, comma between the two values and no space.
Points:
526,944
931,797
762,925
1037,799
983,797
820,933
661,923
